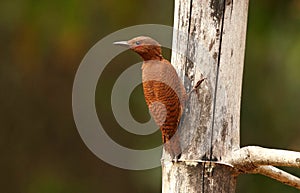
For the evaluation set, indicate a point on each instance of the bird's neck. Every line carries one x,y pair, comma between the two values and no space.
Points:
153,54
149,53
147,57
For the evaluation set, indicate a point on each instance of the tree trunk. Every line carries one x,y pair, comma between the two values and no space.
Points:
208,42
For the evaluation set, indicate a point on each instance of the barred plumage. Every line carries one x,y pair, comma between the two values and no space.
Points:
163,90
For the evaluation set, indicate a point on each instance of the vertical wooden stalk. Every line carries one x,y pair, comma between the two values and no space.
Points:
208,41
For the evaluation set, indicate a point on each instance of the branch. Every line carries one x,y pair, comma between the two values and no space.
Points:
278,175
248,158
258,160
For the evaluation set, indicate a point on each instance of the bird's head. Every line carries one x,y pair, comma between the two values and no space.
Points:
146,47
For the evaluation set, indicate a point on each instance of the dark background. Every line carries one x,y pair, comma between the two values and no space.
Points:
41,46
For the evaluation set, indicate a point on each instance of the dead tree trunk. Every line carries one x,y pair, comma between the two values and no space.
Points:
208,42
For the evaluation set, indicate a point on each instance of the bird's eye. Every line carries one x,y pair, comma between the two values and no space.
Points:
137,43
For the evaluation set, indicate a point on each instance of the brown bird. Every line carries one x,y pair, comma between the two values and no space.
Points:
163,90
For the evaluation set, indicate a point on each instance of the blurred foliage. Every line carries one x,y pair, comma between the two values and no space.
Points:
41,46
271,89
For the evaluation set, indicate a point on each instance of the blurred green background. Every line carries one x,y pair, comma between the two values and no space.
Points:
42,44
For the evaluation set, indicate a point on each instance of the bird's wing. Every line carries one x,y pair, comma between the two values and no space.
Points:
163,93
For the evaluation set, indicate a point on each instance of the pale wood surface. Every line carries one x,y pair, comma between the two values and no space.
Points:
208,41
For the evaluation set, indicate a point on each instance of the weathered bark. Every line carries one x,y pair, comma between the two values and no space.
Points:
258,160
198,177
208,41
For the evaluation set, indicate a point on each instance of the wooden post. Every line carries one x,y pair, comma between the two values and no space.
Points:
208,41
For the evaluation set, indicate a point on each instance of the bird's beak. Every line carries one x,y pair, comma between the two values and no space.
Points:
122,43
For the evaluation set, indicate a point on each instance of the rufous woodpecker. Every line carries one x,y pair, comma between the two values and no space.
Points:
164,92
